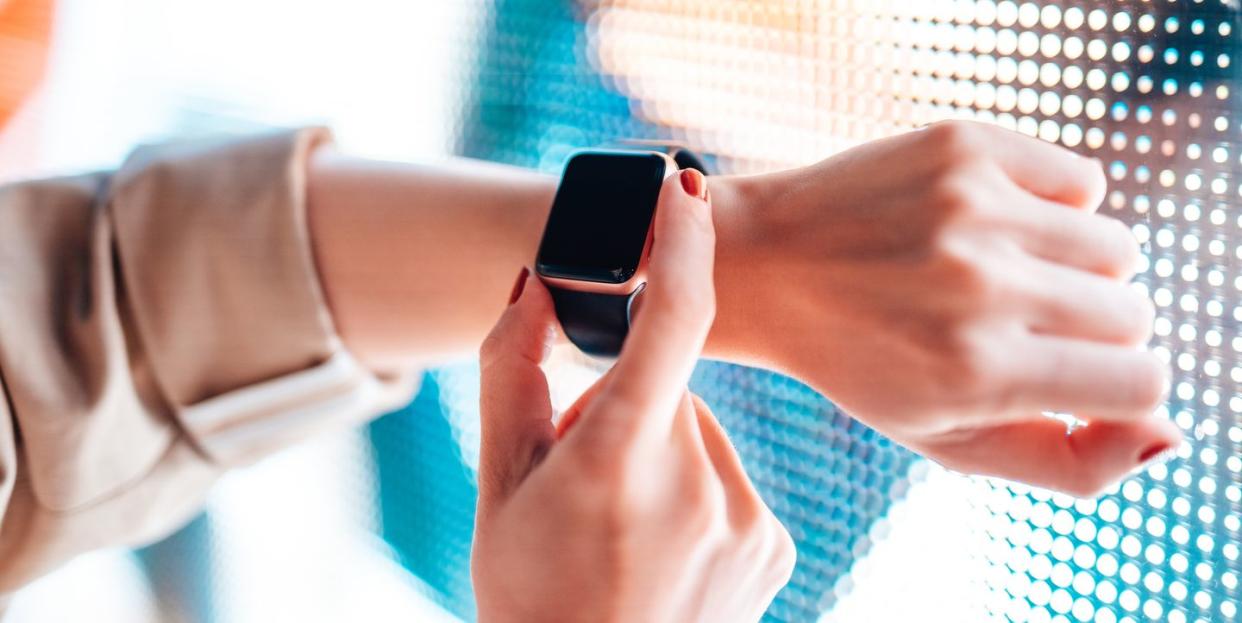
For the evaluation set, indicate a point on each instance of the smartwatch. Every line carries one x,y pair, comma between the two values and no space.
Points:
593,255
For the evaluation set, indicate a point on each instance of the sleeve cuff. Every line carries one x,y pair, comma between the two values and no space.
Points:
247,423
218,274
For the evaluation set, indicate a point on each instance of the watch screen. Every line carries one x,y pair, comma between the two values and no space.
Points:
599,220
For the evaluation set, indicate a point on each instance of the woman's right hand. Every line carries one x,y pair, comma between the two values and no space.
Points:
641,511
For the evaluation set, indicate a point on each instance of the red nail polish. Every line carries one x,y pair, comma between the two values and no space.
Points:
519,285
693,182
1153,452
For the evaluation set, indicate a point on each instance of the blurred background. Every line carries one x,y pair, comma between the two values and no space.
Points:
374,524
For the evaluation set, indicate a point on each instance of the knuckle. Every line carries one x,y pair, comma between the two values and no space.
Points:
617,518
617,403
769,546
594,475
1147,316
1099,171
975,374
614,452
701,510
1124,247
695,492
963,271
606,453
590,469
702,494
1147,391
955,196
750,513
618,510
979,285
492,348
1096,183
955,140
1140,316
784,555
615,543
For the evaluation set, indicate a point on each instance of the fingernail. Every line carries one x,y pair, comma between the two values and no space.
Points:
519,285
693,182
1153,452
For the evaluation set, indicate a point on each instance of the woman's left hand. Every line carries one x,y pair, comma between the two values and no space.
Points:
947,287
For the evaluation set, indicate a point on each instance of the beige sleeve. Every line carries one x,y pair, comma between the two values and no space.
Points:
157,326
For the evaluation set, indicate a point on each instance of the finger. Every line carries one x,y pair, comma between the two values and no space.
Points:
1039,452
773,559
686,428
1083,240
1047,170
1074,376
1075,304
514,405
688,457
678,308
744,500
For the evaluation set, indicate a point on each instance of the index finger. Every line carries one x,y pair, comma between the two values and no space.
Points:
679,305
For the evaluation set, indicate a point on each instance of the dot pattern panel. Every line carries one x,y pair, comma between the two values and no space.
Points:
827,477
428,484
1164,546
1147,87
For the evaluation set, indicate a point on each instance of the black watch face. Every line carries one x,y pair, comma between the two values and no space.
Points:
599,220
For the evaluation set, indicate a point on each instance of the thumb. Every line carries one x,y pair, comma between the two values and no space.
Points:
514,404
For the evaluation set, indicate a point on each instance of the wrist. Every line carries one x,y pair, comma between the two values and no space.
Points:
741,262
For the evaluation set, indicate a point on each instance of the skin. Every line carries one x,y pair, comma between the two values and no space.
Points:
957,283
945,286
641,510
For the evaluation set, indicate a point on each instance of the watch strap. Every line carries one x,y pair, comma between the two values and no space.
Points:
596,323
687,159
684,157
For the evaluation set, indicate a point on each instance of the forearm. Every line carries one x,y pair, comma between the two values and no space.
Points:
416,260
